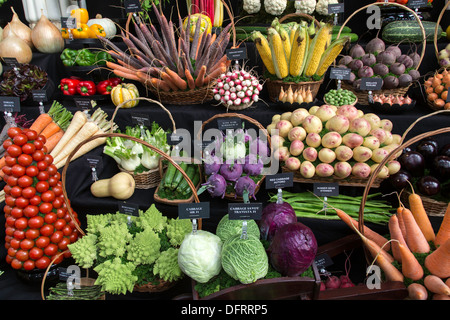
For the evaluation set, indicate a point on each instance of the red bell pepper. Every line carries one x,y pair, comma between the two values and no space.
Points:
104,87
68,86
115,81
86,88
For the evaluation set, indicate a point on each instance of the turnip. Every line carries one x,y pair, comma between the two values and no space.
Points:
325,112
231,171
352,139
292,163
404,80
361,170
349,111
324,170
405,60
312,123
281,154
379,154
360,126
332,282
332,139
397,68
395,50
343,153
390,82
326,155
386,124
384,172
381,69
345,60
216,185
276,141
342,169
373,119
309,154
298,115
386,58
357,51
380,134
307,169
338,123
369,59
313,140
297,133
245,187
284,126
362,154
355,65
296,148
371,142
394,166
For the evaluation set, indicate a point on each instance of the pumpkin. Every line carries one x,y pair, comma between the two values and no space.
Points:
123,92
108,25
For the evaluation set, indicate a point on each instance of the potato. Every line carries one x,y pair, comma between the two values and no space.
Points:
325,112
298,115
292,163
296,148
342,169
297,133
352,140
361,170
307,169
379,154
310,154
362,154
324,170
360,126
332,139
343,153
326,155
338,123
371,142
312,124
313,140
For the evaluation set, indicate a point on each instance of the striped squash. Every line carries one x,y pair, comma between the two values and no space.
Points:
397,31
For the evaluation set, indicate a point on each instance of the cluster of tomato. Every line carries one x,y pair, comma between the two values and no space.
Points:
38,224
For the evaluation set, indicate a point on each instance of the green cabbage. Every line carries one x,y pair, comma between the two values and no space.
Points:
199,255
245,259
227,228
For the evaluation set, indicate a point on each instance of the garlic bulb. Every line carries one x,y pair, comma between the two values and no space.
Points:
46,36
20,29
14,47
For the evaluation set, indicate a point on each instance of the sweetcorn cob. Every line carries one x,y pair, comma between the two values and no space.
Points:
262,45
316,49
298,52
331,54
278,55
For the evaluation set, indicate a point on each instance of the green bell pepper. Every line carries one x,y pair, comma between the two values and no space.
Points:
85,58
68,57
101,57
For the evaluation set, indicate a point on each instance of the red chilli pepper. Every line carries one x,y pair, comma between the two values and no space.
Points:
86,88
104,87
69,86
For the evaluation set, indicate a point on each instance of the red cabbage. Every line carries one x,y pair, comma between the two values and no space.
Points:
275,215
293,249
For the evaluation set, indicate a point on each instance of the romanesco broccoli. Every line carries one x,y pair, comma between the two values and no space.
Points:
177,230
115,276
84,250
152,218
166,266
113,239
144,248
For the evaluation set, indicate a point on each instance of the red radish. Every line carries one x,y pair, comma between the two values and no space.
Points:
332,282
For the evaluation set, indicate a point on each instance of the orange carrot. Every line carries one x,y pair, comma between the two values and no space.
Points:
223,60
41,122
50,130
400,220
411,268
145,78
416,291
438,296
437,262
369,233
213,37
190,79
168,80
414,237
396,234
201,77
179,82
129,75
160,84
419,213
443,233
391,272
447,282
215,73
199,41
53,140
436,285
115,66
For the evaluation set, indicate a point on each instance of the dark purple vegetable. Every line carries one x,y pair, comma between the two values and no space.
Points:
406,60
259,147
345,60
357,51
357,84
381,69
376,45
253,165
445,150
275,215
415,57
355,65
390,82
245,187
293,249
369,59
395,50
440,168
386,58
404,80
365,72
400,179
431,140
413,162
428,186
397,68
231,171
216,185
427,150
212,165
414,74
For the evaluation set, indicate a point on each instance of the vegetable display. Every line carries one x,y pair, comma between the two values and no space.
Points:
79,87
126,250
340,97
228,228
46,37
38,226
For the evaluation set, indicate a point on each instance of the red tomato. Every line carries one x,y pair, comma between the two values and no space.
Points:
58,191
52,181
43,176
7,143
13,131
28,148
26,244
48,158
67,230
74,236
25,181
32,171
17,212
58,203
48,196
31,134
42,165
9,231
51,249
20,139
57,236
10,221
7,170
21,223
7,210
38,145
15,244
50,218
42,186
52,170
47,230
32,234
25,160
60,224
22,255
35,200
42,262
29,265
22,202
17,170
41,138
62,245
28,192
12,181
45,207
10,201
16,191
36,253
7,189
16,264
19,234
14,150
10,161
38,155
36,222
42,241
30,211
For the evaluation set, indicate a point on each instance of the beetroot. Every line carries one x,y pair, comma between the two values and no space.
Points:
376,45
368,59
333,282
357,51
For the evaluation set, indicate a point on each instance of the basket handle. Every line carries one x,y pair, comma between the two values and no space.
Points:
146,99
436,28
301,15
424,42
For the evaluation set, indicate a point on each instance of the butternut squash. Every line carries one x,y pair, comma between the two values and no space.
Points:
121,187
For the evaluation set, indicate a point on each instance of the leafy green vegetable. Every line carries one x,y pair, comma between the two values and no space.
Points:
227,228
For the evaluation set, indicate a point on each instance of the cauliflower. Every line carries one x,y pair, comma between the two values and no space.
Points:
252,6
305,6
322,6
275,7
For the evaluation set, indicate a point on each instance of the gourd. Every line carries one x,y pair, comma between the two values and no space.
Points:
108,25
121,187
397,31
124,92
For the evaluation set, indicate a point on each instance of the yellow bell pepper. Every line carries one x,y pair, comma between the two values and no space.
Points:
123,92
65,33
80,14
98,30
83,32
205,24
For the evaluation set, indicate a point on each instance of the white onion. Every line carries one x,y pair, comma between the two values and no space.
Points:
21,30
46,36
14,47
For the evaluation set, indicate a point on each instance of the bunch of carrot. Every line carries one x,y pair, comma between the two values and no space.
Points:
160,61
415,254
82,127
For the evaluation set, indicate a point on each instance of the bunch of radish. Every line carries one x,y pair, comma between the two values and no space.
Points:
237,87
335,282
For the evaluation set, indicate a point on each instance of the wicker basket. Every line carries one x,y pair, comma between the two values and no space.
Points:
362,95
232,196
196,96
433,208
151,178
159,286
